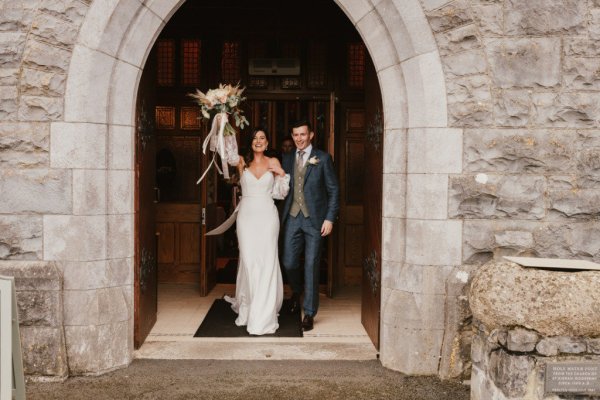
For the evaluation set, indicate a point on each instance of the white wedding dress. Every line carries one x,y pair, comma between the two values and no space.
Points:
259,285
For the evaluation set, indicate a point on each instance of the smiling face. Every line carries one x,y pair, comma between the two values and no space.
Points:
259,143
302,137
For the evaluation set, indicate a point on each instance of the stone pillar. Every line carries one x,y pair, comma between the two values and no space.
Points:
525,318
40,307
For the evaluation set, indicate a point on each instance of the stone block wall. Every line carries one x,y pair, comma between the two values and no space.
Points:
40,307
521,79
491,147
522,82
525,318
58,202
511,363
55,209
522,90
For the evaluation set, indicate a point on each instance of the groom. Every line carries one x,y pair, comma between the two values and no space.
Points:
307,217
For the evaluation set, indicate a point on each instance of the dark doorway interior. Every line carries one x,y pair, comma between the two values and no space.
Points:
321,73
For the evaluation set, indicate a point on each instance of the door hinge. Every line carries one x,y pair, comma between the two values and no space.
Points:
203,216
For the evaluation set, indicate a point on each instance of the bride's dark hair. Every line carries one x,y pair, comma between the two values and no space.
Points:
249,156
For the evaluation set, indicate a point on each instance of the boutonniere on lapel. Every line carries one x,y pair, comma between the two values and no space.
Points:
313,160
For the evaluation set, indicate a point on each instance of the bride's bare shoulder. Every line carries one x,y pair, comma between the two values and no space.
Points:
273,161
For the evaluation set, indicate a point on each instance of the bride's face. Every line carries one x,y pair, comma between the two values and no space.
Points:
259,143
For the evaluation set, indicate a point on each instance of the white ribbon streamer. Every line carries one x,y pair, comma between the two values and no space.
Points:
216,140
228,223
221,142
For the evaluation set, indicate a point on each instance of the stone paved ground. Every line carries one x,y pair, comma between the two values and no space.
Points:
208,379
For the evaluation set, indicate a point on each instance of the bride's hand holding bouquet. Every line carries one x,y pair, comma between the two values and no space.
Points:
219,104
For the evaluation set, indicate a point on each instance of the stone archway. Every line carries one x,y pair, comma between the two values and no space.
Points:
96,138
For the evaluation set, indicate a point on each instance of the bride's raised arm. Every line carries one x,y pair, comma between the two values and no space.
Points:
241,165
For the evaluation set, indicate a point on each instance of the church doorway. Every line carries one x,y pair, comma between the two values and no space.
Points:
320,70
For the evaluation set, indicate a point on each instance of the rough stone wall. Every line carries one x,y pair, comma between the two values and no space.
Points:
522,81
522,94
525,318
40,307
36,40
511,363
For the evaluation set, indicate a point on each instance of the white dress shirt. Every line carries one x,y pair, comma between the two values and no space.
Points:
305,155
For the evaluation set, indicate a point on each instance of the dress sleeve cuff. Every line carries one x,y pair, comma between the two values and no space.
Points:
281,187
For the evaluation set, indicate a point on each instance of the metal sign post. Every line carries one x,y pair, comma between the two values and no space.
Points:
12,380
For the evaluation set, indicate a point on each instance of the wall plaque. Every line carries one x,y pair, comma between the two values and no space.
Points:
573,378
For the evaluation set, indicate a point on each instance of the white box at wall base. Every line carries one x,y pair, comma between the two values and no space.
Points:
12,380
554,263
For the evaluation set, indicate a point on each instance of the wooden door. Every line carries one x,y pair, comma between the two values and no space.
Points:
332,240
351,166
277,114
145,289
179,242
372,202
185,255
179,211
208,250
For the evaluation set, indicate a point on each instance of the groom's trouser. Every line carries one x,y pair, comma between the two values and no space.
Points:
299,234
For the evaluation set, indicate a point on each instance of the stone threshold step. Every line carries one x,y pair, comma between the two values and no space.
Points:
219,350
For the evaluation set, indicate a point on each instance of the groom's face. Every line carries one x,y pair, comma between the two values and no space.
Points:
302,137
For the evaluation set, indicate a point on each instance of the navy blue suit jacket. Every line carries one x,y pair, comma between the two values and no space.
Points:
321,188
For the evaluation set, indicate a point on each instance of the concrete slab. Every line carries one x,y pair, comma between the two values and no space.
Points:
250,380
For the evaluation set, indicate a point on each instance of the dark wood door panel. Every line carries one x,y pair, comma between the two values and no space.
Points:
354,215
145,274
351,165
179,212
182,273
355,122
166,243
354,238
179,247
208,271
371,277
189,245
178,159
354,171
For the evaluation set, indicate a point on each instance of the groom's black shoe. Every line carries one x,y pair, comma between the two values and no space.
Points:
307,323
294,303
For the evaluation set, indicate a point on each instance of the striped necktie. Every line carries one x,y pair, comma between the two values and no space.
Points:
300,159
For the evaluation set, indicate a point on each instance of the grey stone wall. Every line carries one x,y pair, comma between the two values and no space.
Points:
522,80
40,307
511,363
525,318
523,112
36,40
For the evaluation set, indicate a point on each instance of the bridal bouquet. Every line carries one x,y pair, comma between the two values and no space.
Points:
219,104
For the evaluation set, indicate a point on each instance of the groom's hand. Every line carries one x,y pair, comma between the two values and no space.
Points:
326,228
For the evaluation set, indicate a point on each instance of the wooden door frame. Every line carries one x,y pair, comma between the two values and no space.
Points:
207,244
137,259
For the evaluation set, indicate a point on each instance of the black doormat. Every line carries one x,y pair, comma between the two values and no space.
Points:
220,322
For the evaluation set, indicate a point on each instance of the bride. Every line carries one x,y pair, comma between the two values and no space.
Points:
259,285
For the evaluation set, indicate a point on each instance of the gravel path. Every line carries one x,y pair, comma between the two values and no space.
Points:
207,379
